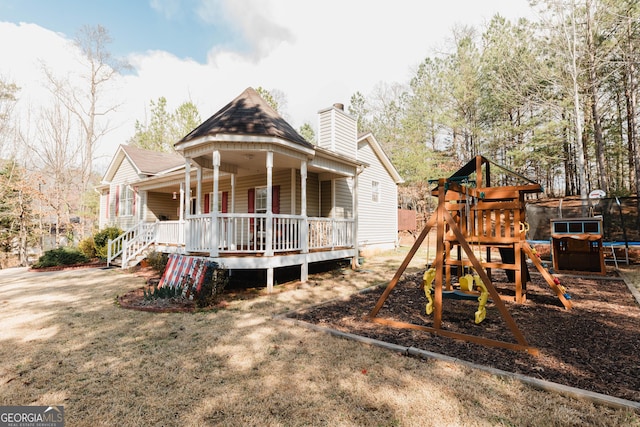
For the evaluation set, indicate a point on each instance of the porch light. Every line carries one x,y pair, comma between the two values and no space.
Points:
175,195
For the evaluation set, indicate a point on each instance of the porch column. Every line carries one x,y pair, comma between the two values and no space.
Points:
187,187
181,230
304,232
269,224
232,209
354,260
187,204
293,191
333,213
214,212
199,191
181,208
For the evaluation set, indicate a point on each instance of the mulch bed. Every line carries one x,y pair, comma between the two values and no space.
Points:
594,346
92,264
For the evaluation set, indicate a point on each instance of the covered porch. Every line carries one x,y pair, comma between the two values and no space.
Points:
270,207
273,211
295,240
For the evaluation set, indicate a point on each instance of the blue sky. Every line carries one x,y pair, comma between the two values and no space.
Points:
135,26
314,52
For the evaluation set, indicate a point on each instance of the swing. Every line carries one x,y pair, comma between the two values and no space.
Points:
460,294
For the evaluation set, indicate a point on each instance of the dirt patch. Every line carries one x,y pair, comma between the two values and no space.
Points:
135,300
594,346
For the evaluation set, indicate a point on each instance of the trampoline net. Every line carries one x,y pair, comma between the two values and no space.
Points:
620,222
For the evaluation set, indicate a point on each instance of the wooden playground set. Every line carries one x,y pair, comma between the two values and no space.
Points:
480,221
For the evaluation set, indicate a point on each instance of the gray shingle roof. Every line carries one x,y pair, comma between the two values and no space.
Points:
248,114
152,162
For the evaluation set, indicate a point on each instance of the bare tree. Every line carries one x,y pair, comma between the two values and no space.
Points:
87,103
8,100
54,150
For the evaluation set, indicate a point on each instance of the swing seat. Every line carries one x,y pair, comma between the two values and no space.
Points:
460,295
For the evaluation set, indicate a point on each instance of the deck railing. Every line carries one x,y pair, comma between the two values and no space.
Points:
247,233
131,243
325,233
170,233
235,233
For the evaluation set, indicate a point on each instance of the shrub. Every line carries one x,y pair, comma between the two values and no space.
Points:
164,292
213,284
158,261
88,247
101,239
61,256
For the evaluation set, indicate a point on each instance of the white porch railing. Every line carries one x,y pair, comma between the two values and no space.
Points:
131,243
247,233
236,233
170,233
325,233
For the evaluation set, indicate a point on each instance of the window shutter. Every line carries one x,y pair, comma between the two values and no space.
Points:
107,205
275,199
135,196
207,203
251,200
225,200
117,200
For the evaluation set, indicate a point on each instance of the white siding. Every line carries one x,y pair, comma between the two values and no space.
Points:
324,130
344,198
104,206
337,131
161,206
377,222
313,195
126,174
325,199
281,178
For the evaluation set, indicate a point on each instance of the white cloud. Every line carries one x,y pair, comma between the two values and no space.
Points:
316,53
168,8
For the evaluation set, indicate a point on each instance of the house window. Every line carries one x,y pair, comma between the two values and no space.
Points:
375,191
126,200
261,200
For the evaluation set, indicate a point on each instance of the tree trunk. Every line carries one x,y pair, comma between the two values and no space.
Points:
603,183
630,95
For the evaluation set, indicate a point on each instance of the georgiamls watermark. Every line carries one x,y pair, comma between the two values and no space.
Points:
31,416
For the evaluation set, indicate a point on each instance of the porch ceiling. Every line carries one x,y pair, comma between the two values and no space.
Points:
242,163
254,162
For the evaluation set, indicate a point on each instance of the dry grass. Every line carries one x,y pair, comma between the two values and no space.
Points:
64,341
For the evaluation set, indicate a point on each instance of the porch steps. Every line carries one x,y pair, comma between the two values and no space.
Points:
132,262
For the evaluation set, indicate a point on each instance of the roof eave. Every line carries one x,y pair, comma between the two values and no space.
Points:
183,146
377,148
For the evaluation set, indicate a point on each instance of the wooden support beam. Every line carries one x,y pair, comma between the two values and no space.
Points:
440,213
394,281
456,335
